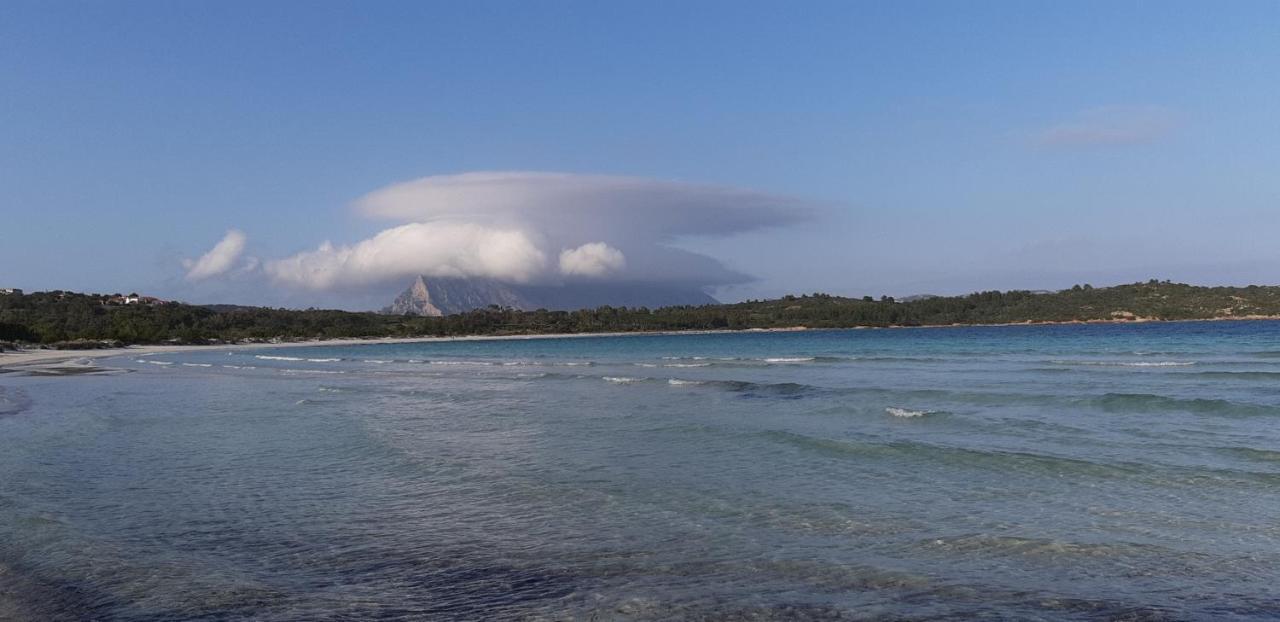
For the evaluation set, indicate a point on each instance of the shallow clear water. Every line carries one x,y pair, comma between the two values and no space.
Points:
1052,472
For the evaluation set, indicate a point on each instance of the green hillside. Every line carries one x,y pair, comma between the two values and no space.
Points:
64,317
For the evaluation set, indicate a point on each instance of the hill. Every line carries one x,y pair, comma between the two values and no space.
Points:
64,317
447,296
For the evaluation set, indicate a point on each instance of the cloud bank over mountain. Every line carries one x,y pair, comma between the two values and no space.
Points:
529,228
594,259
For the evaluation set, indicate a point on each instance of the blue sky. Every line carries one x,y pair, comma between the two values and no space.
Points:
941,146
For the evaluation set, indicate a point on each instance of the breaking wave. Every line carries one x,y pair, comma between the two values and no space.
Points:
907,413
1126,363
622,379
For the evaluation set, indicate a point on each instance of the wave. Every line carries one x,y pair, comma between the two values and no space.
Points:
196,365
687,365
789,359
677,382
155,362
901,359
908,414
329,360
785,390
311,371
486,363
1147,402
1114,402
1239,375
622,379
1053,550
1250,453
1126,363
995,459
268,357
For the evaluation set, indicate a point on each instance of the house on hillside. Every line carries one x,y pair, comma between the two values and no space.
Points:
10,291
135,299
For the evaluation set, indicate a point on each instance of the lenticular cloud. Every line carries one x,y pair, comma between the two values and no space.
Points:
513,226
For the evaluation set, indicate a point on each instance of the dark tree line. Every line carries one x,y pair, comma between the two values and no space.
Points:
61,317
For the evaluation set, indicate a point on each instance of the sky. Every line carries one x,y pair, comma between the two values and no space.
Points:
318,153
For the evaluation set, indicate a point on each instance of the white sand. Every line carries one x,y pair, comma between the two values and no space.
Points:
36,357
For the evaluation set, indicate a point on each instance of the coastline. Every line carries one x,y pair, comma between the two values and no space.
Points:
47,358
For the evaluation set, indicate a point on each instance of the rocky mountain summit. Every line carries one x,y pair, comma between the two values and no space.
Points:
448,295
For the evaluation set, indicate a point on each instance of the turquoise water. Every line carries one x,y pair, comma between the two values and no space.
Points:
1054,472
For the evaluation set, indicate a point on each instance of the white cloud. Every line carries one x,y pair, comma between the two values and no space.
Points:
220,259
1110,125
641,218
593,259
433,249
505,225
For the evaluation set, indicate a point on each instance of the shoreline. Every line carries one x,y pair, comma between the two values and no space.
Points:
40,357
47,358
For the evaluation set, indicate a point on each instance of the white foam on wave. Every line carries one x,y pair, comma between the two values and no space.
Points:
645,365
1127,363
196,365
267,357
788,359
157,362
460,363
621,379
906,413
239,367
311,371
680,383
323,360
687,365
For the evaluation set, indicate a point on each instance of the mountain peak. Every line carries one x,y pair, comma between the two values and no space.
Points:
448,295
437,296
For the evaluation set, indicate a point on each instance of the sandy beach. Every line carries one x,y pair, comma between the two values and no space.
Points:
52,358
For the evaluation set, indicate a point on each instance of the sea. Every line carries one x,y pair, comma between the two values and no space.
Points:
1067,472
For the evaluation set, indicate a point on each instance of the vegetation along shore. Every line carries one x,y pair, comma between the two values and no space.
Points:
68,320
